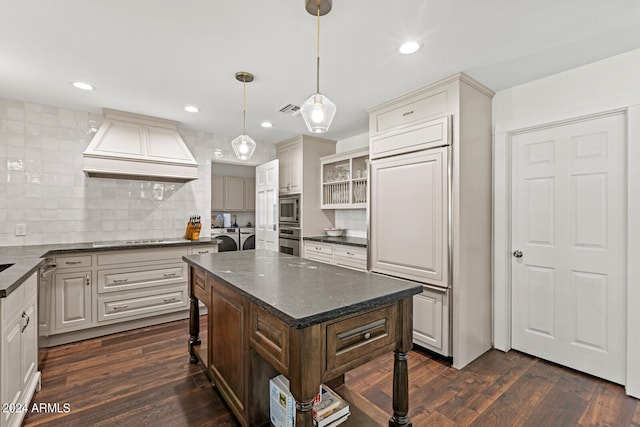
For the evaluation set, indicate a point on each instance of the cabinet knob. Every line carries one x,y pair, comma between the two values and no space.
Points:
367,335
517,254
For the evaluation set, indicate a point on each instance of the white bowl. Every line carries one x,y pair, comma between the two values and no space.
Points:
334,232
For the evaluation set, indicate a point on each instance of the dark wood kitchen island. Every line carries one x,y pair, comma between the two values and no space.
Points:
270,313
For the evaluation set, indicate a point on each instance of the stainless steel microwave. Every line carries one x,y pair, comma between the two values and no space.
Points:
290,209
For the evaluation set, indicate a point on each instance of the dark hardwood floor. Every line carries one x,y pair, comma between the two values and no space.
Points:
143,377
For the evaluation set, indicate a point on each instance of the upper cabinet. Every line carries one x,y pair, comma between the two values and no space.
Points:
299,173
232,193
290,157
344,180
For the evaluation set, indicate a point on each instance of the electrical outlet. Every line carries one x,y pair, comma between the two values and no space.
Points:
21,229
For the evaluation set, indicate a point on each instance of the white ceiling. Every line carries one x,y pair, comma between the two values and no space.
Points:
154,57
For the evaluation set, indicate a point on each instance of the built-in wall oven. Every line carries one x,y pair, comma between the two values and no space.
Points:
290,210
289,240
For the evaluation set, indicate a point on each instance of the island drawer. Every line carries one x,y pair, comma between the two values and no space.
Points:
74,261
269,336
199,286
142,304
352,340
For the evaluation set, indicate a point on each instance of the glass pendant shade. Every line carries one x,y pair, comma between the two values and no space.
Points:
318,112
243,147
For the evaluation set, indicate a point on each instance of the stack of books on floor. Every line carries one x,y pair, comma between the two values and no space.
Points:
329,409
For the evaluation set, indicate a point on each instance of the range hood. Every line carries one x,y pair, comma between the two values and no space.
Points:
134,146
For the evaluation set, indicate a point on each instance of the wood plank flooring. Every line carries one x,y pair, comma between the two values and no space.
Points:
143,377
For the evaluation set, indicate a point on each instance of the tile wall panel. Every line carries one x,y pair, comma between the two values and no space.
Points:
42,184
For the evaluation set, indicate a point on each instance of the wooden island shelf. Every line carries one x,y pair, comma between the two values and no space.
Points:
270,313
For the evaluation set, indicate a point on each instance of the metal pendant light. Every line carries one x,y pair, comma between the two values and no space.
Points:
318,111
243,145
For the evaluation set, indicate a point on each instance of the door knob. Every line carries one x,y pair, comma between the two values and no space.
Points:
517,254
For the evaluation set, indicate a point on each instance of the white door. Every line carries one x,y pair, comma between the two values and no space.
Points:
267,206
568,237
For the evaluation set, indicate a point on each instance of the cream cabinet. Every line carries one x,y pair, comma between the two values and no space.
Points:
109,291
232,193
430,153
344,179
354,257
290,172
18,352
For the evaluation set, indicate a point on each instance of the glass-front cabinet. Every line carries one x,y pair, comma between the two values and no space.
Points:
344,180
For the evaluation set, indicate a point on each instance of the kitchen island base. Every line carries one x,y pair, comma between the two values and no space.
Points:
249,343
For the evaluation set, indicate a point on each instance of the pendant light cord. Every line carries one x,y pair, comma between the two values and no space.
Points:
318,55
244,105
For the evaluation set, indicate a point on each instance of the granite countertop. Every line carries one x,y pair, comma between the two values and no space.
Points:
27,259
299,291
340,240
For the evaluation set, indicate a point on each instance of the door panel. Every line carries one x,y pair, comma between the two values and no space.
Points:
267,206
568,221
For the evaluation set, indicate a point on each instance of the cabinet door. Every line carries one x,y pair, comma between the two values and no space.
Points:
411,190
29,348
284,171
431,320
73,300
217,193
296,169
229,344
11,387
250,194
234,193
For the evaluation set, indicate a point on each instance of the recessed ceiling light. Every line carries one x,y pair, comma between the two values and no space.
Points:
83,86
409,47
191,108
266,124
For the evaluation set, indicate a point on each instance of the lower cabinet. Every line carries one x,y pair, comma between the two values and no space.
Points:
93,294
354,257
431,319
18,352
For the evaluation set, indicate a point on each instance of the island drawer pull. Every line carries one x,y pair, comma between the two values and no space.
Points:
169,299
364,328
120,280
120,307
367,335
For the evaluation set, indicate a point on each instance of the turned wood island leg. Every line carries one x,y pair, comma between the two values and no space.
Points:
305,371
400,369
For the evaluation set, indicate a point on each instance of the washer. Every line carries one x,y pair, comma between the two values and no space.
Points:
230,239
247,238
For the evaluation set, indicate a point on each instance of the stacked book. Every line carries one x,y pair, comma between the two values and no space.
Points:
331,410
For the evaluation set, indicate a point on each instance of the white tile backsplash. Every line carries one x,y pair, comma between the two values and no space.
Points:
354,220
43,186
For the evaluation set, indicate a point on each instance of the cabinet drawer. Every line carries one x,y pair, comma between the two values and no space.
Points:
204,249
141,255
74,261
356,264
123,279
318,248
142,304
428,135
358,337
350,252
270,337
409,112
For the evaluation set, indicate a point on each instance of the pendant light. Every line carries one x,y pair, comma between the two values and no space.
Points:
318,111
243,145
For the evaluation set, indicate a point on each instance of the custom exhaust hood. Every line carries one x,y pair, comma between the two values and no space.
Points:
133,146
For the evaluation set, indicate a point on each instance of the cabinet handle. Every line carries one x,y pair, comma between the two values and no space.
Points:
407,113
203,252
350,253
73,262
169,299
120,280
87,279
170,274
25,316
120,307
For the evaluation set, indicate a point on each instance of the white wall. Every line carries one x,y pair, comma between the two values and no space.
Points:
42,184
353,220
607,85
